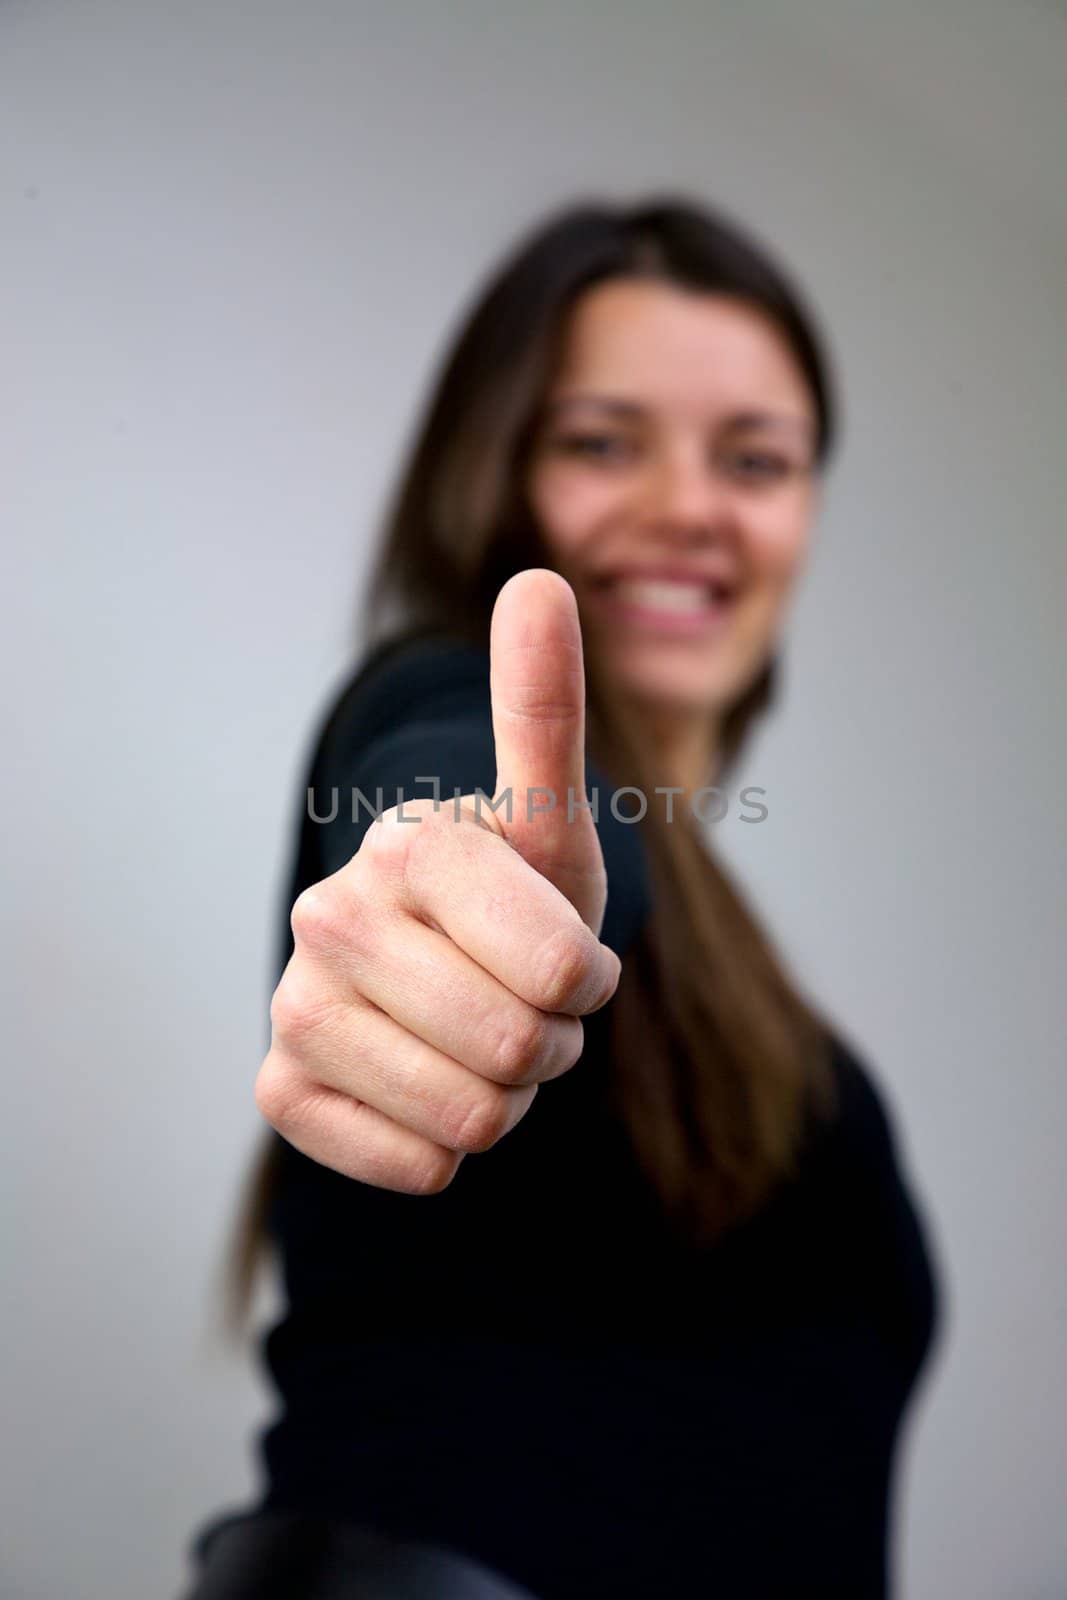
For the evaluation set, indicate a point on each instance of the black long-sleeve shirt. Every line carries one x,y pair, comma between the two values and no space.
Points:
531,1367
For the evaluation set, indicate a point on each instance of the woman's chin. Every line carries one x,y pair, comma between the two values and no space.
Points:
701,682
672,694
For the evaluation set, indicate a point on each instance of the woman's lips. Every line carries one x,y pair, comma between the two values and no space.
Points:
664,605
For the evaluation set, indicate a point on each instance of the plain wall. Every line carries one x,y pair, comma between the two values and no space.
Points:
234,237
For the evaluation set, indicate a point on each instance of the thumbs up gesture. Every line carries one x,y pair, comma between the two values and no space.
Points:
441,975
537,685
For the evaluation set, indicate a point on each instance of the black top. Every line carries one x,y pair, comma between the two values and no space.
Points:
530,1367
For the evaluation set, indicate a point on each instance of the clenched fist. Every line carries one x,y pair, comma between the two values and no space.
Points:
440,976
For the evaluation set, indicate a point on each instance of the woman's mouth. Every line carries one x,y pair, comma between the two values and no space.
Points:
664,604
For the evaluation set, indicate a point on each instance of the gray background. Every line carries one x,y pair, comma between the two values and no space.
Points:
233,238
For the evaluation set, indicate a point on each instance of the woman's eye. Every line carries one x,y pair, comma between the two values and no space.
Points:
607,447
758,465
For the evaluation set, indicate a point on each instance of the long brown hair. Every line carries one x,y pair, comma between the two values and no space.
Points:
717,1057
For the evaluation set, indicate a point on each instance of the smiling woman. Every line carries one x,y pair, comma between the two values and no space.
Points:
648,1326
673,480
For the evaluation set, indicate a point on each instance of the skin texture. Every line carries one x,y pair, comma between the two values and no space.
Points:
677,479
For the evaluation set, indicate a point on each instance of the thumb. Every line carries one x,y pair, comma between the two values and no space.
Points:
537,688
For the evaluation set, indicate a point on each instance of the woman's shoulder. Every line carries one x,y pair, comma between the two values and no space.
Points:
863,1106
409,678
866,1164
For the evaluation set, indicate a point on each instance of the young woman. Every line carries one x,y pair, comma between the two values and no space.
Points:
603,1277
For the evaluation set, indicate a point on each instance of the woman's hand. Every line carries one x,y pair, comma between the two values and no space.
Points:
440,976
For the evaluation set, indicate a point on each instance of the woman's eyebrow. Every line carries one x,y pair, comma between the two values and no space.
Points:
770,419
627,410
632,410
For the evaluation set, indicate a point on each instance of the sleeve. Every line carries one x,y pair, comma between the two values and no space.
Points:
404,764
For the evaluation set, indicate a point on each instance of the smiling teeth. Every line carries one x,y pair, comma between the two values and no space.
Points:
661,594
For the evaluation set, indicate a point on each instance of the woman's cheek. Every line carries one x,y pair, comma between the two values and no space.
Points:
571,509
777,552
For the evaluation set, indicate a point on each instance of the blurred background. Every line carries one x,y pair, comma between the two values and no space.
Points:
234,239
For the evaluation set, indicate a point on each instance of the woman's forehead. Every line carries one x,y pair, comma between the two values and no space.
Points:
652,343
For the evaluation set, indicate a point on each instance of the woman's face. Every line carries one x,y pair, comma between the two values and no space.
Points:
672,479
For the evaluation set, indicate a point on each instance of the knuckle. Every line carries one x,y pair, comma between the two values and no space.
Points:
296,1012
401,825
431,1172
381,844
572,1037
477,1123
286,1011
563,967
394,848
277,1093
316,916
520,1045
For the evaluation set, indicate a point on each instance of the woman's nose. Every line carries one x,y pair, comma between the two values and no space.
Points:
685,498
